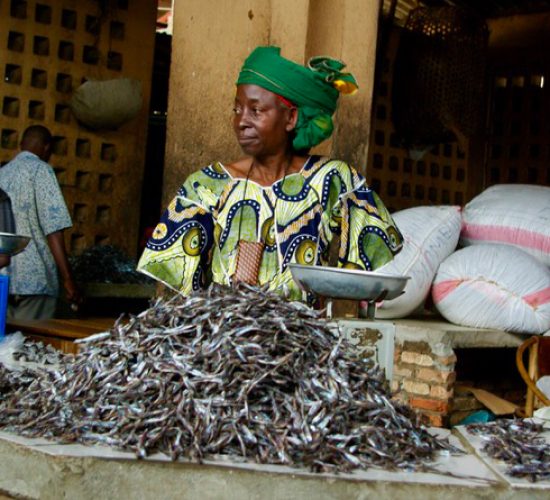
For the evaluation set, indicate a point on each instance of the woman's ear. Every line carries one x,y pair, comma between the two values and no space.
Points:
292,119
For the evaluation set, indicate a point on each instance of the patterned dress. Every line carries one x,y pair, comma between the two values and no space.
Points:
296,218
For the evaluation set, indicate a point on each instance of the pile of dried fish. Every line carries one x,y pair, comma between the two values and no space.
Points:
237,372
13,381
518,443
105,264
37,352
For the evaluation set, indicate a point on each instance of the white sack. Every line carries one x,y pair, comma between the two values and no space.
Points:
107,104
494,286
431,235
511,214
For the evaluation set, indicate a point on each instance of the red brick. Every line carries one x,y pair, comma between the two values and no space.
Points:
434,420
420,347
401,372
434,375
441,392
429,404
413,387
429,375
448,377
446,360
416,358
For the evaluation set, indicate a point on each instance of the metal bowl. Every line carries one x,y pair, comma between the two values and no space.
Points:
351,284
12,244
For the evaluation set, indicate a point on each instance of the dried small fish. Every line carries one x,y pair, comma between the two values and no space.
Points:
225,371
518,443
37,352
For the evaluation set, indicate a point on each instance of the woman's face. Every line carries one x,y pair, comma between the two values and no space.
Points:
261,122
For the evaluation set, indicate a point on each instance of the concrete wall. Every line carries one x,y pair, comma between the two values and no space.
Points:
211,39
47,48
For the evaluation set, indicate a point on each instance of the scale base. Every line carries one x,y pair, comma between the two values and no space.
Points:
371,310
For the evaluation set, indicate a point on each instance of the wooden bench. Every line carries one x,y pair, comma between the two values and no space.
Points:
60,333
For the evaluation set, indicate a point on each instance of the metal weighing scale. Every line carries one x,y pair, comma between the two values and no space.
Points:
10,244
351,284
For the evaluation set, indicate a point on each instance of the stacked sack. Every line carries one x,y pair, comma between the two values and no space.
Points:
430,235
500,279
510,214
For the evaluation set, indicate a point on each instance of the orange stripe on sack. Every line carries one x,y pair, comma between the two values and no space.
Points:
538,298
441,290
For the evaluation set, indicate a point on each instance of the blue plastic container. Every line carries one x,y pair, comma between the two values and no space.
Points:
4,289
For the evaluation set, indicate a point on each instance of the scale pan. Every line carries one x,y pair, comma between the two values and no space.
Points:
351,284
12,244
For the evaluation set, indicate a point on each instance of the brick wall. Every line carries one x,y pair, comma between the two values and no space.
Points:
423,378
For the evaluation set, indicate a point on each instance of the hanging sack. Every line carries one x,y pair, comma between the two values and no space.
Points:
107,104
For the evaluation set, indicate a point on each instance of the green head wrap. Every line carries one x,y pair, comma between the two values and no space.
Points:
313,89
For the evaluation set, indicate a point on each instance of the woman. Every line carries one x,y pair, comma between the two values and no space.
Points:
247,220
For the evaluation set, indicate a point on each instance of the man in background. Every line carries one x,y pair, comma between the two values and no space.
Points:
41,213
7,223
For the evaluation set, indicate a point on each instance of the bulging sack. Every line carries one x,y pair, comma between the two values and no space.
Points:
494,286
107,104
431,235
510,214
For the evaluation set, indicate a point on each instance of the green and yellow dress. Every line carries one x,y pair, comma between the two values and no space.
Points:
195,242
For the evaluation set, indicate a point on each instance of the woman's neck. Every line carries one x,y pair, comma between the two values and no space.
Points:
270,169
266,170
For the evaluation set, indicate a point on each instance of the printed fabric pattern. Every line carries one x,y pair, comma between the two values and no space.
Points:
39,209
195,242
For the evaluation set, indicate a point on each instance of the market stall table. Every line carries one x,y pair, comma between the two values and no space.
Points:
78,471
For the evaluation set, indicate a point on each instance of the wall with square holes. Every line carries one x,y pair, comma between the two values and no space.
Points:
438,177
47,49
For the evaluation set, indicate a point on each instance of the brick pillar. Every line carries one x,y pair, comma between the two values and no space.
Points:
423,378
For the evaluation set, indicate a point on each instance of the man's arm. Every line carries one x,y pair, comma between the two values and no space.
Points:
56,242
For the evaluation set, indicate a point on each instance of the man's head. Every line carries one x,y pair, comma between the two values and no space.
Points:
38,140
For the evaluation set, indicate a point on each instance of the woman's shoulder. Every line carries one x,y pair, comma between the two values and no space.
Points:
213,177
324,167
215,171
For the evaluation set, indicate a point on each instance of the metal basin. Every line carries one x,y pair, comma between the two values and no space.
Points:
12,244
351,284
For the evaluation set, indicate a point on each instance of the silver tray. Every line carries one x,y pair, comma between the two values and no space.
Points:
12,244
351,284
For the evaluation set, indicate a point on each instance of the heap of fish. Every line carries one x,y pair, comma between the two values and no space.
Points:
226,371
37,352
519,444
